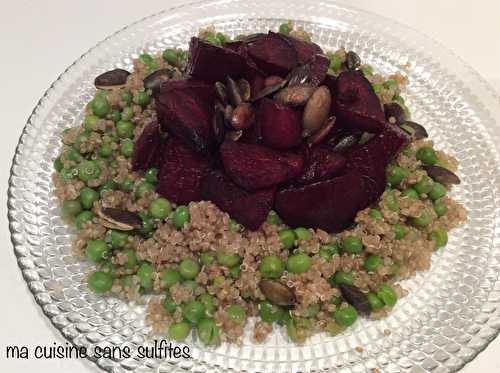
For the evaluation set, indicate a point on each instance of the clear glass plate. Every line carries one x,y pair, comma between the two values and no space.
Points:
451,312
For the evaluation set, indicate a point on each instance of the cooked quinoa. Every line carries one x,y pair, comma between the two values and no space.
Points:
226,273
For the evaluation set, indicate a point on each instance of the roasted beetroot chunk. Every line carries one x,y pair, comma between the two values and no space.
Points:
305,50
371,159
185,109
329,205
181,172
356,104
253,166
319,68
147,148
247,208
274,54
280,126
321,163
213,63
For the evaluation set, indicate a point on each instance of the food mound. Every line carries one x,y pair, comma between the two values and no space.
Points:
260,180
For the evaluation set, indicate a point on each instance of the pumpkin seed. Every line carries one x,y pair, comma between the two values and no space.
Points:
296,95
277,293
243,116
355,297
233,92
119,219
221,92
418,131
244,89
153,81
442,175
352,60
112,79
323,132
316,110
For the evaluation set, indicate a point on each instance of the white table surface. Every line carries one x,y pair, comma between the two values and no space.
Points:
39,39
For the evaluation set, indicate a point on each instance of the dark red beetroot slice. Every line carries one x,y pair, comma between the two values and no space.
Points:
213,63
147,148
274,54
371,159
305,50
249,209
280,125
356,104
253,166
329,205
254,76
319,68
185,109
321,163
181,173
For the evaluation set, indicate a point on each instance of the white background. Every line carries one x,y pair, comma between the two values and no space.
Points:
39,39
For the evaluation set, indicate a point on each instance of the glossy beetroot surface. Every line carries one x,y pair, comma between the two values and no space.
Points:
314,184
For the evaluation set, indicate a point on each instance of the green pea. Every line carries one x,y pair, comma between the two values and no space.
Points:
192,284
68,174
170,56
367,70
375,303
325,254
169,277
221,37
90,122
207,258
273,218
169,305
180,217
147,226
131,258
127,113
211,38
83,218
99,106
372,262
271,267
399,231
336,300
377,88
149,61
127,184
113,164
105,150
72,155
179,331
375,214
291,329
284,28
118,239
88,170
236,313
100,282
193,311
127,148
145,275
189,269
87,197
303,234
423,220
143,188
312,310
438,191
287,237
128,281
440,207
352,245
208,332
341,277
391,83
395,175
234,226
424,185
227,260
439,236
115,116
142,99
400,100
126,97
125,129
335,63
58,164
107,185
346,316
427,155
235,272
298,263
96,250
151,175
387,295
71,208
270,313
409,193
209,303
334,328
160,208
